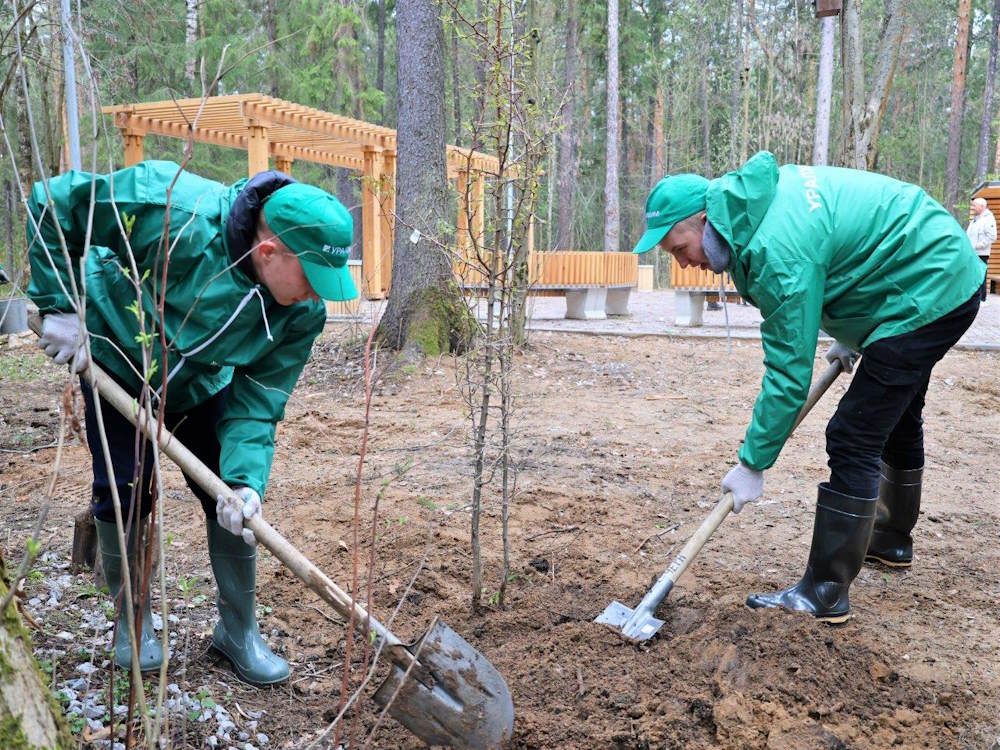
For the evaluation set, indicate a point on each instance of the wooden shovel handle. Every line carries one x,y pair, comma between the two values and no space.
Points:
205,478
725,505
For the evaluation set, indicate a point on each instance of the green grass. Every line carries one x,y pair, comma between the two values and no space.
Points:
21,368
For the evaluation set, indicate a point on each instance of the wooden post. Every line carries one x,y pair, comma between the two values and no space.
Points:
388,216
462,239
371,223
283,164
257,149
479,201
133,146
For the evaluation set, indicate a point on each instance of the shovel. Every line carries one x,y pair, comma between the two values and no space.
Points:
637,625
440,687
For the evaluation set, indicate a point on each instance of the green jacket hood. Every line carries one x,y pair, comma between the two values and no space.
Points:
737,202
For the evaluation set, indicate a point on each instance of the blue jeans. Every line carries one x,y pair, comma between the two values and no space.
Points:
195,428
881,415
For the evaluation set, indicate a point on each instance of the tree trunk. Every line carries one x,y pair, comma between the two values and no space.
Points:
190,39
863,115
612,140
957,105
983,156
824,94
272,40
706,122
380,54
29,716
567,136
737,89
425,312
456,90
478,119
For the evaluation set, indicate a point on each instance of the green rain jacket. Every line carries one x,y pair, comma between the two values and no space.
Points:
858,254
222,328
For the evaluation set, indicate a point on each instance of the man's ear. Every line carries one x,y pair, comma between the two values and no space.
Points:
266,248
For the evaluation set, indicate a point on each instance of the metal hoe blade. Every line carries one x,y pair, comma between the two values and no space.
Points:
636,625
452,697
639,624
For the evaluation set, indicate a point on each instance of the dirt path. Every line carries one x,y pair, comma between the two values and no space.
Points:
620,445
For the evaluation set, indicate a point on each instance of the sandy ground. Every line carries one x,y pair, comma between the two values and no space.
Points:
620,447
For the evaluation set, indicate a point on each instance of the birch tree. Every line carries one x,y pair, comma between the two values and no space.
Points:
568,135
983,154
613,138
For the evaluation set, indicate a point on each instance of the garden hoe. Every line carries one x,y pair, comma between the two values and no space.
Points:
440,687
638,624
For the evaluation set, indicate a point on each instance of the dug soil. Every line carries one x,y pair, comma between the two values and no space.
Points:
619,447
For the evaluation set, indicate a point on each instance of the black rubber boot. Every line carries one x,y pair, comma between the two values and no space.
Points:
840,538
150,650
895,517
236,635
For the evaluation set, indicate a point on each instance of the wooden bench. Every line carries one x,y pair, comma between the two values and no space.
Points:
595,284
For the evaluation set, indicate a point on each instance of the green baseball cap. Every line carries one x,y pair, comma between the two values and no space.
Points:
673,199
319,230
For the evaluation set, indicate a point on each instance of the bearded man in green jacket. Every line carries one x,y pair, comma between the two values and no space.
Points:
885,270
241,305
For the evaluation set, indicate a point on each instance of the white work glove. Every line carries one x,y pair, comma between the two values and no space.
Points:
745,483
230,516
61,339
844,354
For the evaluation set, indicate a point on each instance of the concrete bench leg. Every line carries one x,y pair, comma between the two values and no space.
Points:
618,301
586,304
688,308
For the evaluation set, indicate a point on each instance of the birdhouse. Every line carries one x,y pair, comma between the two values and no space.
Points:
827,8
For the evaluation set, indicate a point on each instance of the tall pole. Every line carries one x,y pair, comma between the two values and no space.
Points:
72,111
824,93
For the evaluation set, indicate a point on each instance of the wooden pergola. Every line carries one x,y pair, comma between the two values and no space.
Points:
269,128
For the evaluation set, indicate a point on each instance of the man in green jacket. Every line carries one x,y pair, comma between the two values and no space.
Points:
885,270
241,305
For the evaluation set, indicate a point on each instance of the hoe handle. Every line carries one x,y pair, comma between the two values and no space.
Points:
680,563
266,535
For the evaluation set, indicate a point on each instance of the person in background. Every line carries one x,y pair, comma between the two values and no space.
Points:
982,232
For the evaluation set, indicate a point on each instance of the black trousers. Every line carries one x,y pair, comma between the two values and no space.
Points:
986,282
195,428
880,416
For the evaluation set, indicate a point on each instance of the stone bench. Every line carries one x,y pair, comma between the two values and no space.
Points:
689,304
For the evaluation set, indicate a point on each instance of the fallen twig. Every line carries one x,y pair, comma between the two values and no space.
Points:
657,535
556,530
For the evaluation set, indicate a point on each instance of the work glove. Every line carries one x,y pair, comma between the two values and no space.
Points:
844,354
745,483
230,516
62,340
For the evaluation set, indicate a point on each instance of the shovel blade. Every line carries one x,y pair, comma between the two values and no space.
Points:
455,697
631,624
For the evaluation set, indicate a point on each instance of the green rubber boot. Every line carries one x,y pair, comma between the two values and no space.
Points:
150,651
236,635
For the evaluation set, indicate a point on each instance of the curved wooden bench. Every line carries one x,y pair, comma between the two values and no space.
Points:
596,284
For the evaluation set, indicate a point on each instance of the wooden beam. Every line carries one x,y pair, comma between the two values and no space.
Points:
371,224
283,164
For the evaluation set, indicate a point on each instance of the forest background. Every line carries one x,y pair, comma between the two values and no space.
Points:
700,86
